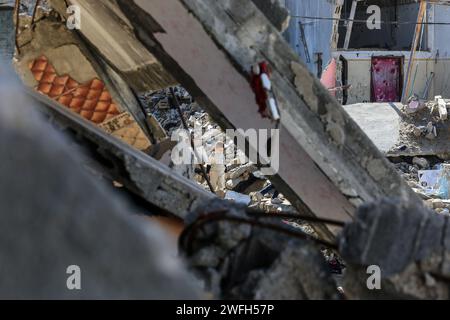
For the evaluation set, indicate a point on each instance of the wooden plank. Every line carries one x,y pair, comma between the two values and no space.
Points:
336,19
350,24
419,26
326,162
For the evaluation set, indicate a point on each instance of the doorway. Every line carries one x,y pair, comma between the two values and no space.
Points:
386,79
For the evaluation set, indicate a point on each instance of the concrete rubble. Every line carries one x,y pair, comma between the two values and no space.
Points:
411,247
251,262
108,106
60,224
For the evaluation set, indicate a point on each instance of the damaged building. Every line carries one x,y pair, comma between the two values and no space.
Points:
371,55
260,149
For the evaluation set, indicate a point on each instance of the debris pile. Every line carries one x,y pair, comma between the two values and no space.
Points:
425,116
244,182
260,244
428,177
257,260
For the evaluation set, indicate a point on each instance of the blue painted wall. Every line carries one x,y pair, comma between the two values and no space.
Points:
6,33
317,32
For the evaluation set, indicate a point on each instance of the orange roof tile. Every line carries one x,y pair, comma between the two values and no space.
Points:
91,100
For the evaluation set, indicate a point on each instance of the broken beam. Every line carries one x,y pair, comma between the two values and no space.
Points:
117,161
326,162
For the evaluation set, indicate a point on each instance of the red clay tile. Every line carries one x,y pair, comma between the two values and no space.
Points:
93,94
77,103
65,100
61,80
97,84
105,96
91,100
87,114
38,75
44,88
89,105
39,65
98,117
81,91
48,77
56,91
71,83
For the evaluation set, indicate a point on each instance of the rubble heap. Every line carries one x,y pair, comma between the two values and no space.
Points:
242,261
428,177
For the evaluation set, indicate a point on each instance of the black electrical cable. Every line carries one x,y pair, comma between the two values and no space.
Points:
186,239
365,21
293,216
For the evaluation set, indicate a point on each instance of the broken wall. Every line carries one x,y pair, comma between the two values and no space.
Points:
359,72
436,60
390,36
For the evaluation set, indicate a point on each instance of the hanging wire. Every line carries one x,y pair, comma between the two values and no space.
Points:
188,235
365,21
294,216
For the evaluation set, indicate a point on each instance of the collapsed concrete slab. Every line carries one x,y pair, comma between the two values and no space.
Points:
58,63
380,121
327,164
57,222
110,33
398,133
